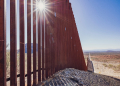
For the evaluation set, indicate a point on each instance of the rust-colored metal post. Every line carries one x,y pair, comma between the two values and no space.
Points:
39,49
13,43
62,37
2,42
55,34
51,37
43,47
69,36
46,49
67,33
29,43
22,44
34,43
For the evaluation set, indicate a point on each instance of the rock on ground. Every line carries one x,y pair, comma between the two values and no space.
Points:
74,77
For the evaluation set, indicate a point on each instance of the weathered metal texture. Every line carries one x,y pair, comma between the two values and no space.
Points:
48,46
29,42
61,47
13,43
22,44
67,33
46,49
58,37
53,38
62,35
2,43
43,48
39,50
56,42
55,35
71,38
34,43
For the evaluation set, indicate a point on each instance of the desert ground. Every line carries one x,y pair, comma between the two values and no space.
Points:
105,63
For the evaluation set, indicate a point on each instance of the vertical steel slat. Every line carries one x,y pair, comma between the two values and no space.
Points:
13,42
70,36
39,50
63,31
22,44
67,32
2,42
65,22
64,36
42,48
69,58
53,39
28,42
55,35
71,30
57,42
34,43
58,33
60,38
46,50
50,43
49,46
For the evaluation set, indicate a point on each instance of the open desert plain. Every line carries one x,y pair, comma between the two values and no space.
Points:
105,62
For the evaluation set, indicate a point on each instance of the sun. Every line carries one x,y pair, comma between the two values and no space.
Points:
41,5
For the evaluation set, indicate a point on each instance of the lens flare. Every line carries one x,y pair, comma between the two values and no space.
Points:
41,5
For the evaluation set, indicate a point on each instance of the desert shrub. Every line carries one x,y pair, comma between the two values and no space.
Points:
111,66
105,60
105,65
117,68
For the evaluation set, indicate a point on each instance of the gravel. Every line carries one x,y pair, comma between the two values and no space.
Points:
74,77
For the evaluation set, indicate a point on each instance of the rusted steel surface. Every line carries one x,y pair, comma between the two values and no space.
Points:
39,50
29,42
2,43
46,49
13,43
43,48
34,43
61,47
22,44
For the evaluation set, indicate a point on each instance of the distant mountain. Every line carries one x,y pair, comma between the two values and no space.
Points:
102,50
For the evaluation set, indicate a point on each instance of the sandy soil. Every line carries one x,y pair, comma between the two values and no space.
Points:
101,69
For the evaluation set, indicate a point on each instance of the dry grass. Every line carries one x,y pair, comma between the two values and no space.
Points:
115,68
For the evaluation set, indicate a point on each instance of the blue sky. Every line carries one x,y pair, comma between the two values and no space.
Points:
98,23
